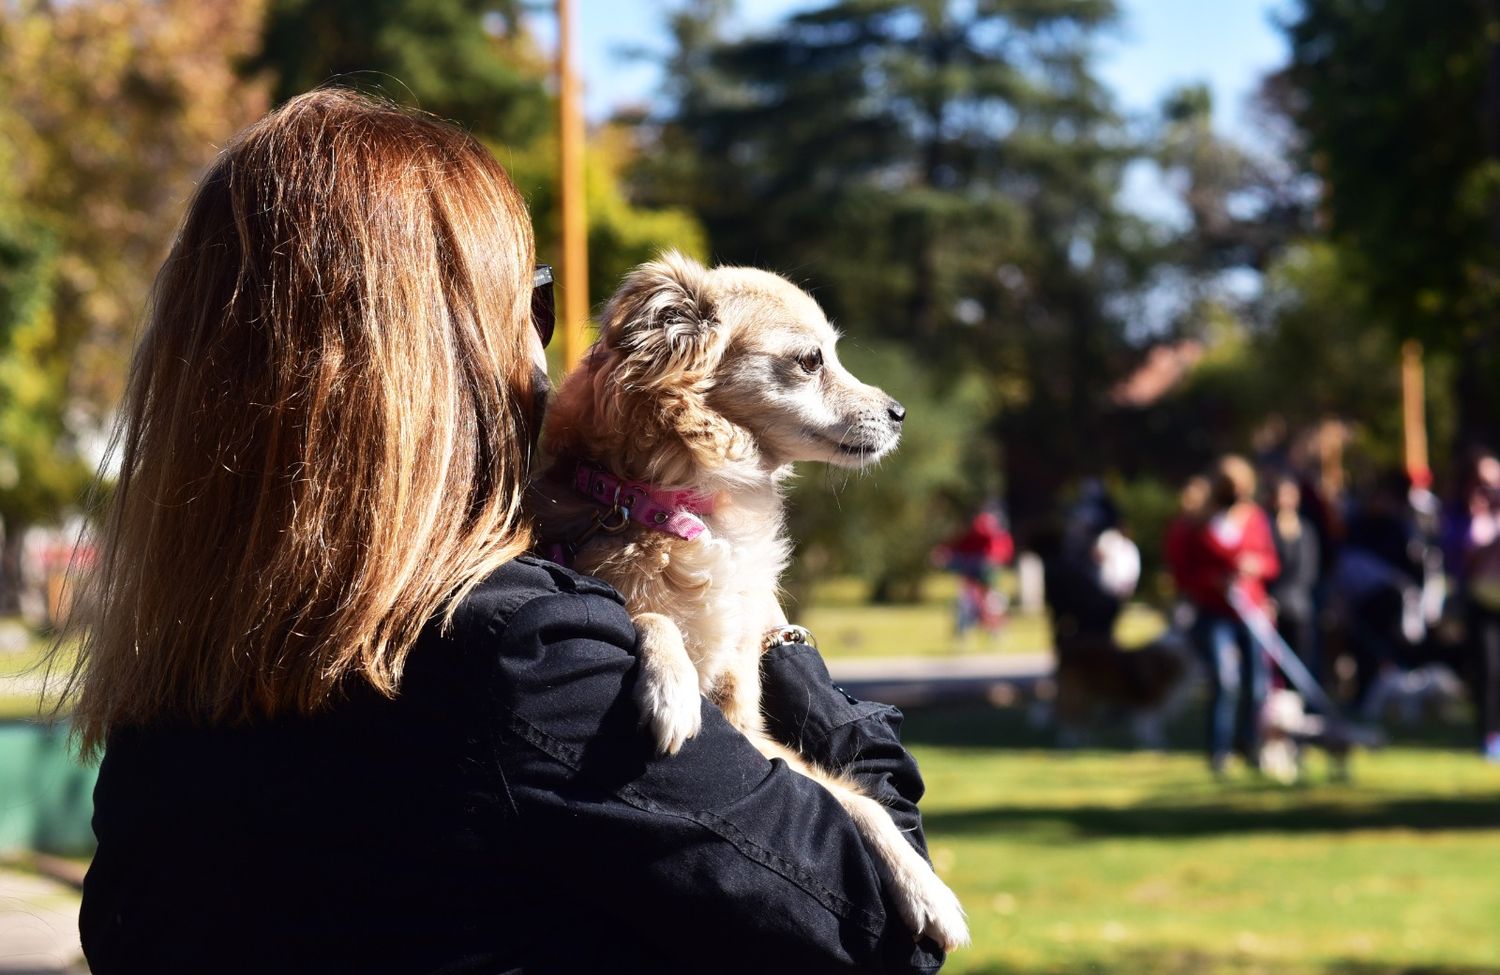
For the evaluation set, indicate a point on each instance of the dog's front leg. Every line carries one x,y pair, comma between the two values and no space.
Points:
667,689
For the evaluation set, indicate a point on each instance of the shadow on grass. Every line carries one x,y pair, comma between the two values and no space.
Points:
1224,818
979,725
1160,962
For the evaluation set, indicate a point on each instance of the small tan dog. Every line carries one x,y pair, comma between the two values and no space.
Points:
673,438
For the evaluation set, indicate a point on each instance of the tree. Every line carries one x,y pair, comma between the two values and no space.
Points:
114,108
467,60
108,112
1399,106
1242,208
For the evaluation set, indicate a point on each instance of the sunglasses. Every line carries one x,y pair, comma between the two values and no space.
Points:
543,305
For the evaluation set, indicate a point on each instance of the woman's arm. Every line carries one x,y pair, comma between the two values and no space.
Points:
1308,558
715,853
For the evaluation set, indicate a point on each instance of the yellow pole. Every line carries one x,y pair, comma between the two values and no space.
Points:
1414,412
573,282
1331,459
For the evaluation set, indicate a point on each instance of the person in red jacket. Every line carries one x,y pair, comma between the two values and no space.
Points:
1228,542
975,556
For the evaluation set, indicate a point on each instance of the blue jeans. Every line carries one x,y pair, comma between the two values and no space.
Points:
1236,681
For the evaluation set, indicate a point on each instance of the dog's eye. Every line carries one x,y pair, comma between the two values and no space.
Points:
811,361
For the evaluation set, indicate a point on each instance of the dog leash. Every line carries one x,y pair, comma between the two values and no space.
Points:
1281,654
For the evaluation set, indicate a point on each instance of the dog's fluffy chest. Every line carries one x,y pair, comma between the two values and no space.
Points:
734,570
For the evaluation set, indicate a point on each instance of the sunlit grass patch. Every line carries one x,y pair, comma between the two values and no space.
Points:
23,665
846,624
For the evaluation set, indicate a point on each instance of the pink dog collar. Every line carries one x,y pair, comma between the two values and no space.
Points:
675,513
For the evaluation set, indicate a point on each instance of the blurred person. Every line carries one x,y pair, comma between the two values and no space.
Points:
347,724
1378,580
1293,592
1119,561
976,555
1228,542
1473,536
1093,569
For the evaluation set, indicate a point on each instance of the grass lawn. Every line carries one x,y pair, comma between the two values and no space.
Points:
1114,862
848,626
21,657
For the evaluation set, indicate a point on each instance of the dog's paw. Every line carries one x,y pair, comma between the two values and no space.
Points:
930,909
670,703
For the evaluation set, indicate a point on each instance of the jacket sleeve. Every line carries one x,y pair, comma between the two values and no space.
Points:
806,710
712,853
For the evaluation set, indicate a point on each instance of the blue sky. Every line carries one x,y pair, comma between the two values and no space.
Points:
1160,44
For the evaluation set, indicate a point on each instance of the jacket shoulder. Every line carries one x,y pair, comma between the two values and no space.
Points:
495,601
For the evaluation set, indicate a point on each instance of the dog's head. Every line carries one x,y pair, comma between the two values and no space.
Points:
700,372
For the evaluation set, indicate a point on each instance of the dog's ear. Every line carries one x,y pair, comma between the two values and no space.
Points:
663,322
661,343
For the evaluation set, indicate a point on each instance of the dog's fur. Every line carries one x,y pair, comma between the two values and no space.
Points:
717,381
1287,730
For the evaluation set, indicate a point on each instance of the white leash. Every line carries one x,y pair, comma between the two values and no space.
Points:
1283,656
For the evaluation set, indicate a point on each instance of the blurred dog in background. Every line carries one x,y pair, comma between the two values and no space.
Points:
1096,680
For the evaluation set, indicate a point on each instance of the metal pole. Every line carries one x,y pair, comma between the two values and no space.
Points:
573,282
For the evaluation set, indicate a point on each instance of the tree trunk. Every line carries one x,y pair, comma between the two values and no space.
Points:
11,536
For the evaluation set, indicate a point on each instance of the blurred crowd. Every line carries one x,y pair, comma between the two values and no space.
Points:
1374,597
1307,614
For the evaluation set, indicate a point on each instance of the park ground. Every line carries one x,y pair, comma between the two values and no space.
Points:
1108,861
850,627
1102,860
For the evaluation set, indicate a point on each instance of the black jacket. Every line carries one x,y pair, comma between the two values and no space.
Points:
504,814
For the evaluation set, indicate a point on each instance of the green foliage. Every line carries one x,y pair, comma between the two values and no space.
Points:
114,108
1393,106
1242,208
1312,355
620,233
1323,358
40,473
1400,114
466,60
107,113
924,163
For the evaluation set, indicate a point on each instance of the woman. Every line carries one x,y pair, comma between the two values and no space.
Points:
1228,545
1294,589
347,725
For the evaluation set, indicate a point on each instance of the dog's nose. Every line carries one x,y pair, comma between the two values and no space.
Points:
896,411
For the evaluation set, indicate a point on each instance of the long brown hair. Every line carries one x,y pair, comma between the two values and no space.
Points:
325,434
